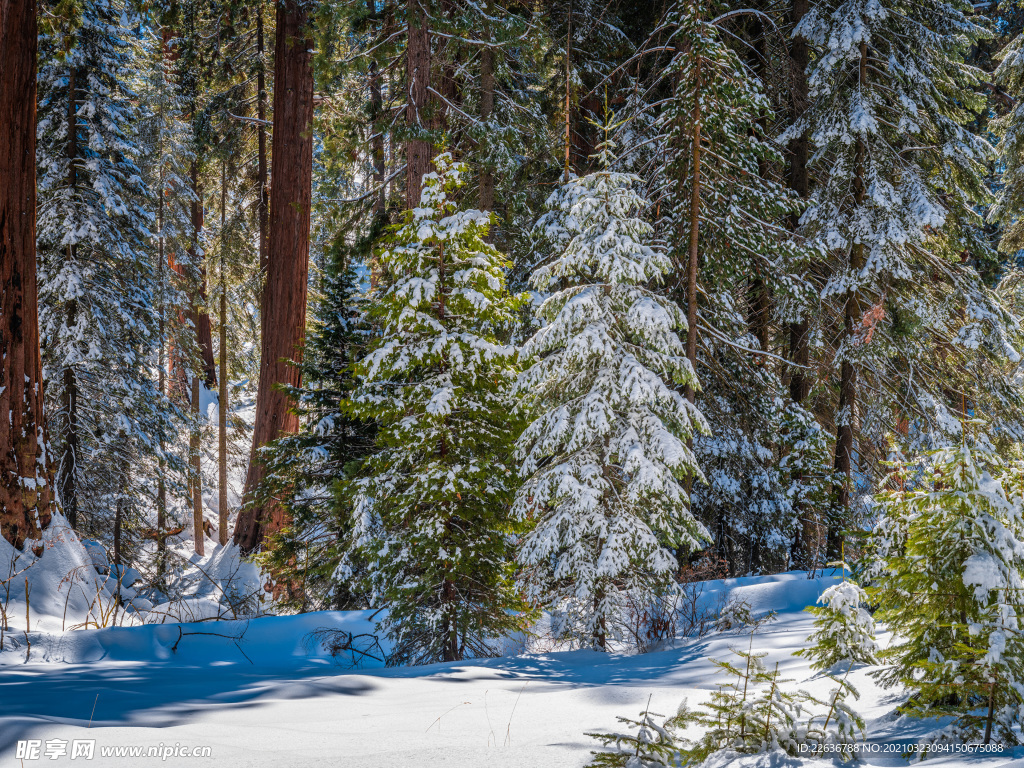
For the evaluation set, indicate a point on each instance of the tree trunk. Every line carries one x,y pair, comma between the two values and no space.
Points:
68,473
67,479
568,94
194,446
198,315
263,206
25,503
419,150
486,201
288,259
118,525
805,548
692,264
845,419
161,483
222,404
798,180
378,122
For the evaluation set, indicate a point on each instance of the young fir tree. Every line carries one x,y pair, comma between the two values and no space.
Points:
306,471
950,587
432,517
606,458
97,280
844,632
753,712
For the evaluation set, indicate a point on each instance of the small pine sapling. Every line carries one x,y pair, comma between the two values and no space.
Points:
752,712
844,632
950,586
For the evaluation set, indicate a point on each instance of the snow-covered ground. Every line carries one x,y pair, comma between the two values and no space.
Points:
262,693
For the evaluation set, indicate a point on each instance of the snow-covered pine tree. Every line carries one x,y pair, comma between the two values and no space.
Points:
900,178
1010,129
167,144
844,631
606,457
97,280
432,514
950,588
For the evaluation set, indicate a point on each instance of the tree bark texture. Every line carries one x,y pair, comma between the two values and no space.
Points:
419,150
287,259
25,496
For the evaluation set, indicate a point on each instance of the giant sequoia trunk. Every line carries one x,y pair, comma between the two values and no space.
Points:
263,206
418,149
24,465
284,308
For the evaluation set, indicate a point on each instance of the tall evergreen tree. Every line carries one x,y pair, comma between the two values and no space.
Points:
739,274
900,177
96,280
432,503
606,457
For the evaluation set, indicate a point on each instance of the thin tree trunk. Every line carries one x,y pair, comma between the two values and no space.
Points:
198,315
418,149
692,260
68,476
805,548
845,420
161,484
990,715
568,94
288,260
118,525
194,446
377,123
67,481
25,498
486,201
222,404
799,181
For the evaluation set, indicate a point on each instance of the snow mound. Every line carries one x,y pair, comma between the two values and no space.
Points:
64,589
220,585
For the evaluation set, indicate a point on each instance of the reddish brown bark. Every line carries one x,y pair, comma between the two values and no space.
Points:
419,150
25,504
263,206
198,315
287,260
486,196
